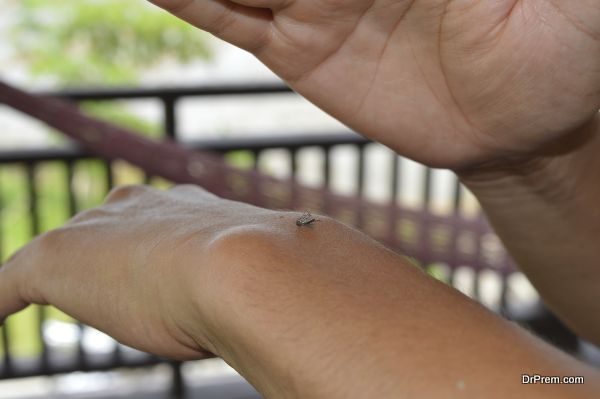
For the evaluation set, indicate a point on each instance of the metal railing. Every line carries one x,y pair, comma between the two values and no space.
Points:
30,163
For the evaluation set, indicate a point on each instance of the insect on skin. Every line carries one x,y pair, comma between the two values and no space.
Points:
305,219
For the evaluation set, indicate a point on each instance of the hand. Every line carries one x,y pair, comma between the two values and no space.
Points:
134,267
298,311
447,83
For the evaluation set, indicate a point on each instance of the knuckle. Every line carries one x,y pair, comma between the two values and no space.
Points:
190,190
122,193
49,250
187,188
51,240
91,215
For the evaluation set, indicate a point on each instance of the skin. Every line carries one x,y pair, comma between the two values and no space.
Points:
506,93
502,92
301,312
546,210
447,83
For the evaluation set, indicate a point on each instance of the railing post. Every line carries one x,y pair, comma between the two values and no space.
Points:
7,359
178,384
32,194
169,117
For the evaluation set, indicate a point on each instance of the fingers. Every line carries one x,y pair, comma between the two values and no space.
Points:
241,25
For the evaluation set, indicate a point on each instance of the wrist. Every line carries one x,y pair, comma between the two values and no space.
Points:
545,210
263,286
301,311
300,305
238,266
555,172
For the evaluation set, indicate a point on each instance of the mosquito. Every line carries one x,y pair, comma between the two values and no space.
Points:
305,219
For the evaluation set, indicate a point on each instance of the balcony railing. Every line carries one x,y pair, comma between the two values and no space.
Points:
69,166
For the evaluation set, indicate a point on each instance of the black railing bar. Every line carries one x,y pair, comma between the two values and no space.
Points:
327,175
457,196
74,152
256,187
504,296
43,154
32,196
452,275
427,188
293,165
394,179
148,179
393,201
361,170
4,334
74,209
229,89
327,165
170,117
178,388
7,360
109,177
477,285
35,229
23,368
4,337
360,183
70,177
256,157
1,224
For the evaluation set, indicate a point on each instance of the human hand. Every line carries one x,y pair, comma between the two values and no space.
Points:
447,83
135,268
298,311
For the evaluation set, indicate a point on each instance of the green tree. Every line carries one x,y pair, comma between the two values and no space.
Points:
79,42
101,42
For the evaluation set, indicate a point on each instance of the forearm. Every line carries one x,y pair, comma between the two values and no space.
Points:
325,312
547,212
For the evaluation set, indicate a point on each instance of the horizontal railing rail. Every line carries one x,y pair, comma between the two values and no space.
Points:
288,141
211,90
169,96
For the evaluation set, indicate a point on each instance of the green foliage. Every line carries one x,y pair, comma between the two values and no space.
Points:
100,41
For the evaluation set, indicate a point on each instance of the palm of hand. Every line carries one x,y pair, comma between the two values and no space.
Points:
448,83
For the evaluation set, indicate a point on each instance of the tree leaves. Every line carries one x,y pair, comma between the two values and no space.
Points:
101,42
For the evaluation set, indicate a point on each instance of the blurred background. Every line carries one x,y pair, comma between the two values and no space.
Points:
129,63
